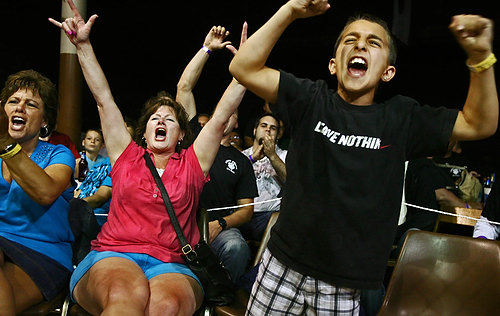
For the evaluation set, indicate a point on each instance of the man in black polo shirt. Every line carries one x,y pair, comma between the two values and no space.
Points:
345,163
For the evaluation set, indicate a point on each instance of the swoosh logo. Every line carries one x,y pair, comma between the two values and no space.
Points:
385,146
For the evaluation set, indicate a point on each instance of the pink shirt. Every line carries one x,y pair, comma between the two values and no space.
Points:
138,220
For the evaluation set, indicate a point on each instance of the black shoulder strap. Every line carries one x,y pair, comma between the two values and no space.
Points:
186,247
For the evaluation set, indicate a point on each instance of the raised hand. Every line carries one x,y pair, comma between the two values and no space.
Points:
308,8
475,34
215,38
75,28
244,35
268,146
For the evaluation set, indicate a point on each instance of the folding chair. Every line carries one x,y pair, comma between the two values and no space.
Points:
439,274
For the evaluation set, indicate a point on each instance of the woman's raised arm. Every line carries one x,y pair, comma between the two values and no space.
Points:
115,134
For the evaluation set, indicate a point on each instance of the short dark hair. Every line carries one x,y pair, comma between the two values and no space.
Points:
37,83
374,19
257,121
151,106
94,129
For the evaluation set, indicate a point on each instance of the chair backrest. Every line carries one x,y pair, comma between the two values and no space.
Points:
438,274
84,226
202,219
265,237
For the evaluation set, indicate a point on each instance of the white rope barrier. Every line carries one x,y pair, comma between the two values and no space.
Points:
407,204
451,214
242,205
227,207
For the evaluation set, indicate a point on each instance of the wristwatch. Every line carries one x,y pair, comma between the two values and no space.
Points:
222,223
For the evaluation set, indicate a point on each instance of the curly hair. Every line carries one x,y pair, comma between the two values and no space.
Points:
151,106
37,83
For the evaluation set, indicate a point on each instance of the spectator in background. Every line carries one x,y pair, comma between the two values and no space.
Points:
283,139
427,185
268,162
35,185
235,140
248,137
95,190
91,144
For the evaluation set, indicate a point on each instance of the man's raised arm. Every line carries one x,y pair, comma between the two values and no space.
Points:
479,117
248,66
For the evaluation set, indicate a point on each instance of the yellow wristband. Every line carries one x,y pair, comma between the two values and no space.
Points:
236,80
485,64
11,153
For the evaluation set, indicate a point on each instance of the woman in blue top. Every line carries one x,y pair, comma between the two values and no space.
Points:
35,236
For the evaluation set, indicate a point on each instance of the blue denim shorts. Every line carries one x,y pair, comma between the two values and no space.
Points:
149,265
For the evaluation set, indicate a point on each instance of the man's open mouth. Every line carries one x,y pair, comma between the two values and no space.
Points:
357,66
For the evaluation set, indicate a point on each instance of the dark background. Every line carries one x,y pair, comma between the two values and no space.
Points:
143,47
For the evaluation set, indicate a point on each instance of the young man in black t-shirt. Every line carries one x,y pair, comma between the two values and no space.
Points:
345,164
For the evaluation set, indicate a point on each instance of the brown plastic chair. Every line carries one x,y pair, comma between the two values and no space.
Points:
439,274
239,306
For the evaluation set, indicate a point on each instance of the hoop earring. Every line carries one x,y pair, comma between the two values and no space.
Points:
44,131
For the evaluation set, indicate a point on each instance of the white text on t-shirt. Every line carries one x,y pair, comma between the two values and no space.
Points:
347,140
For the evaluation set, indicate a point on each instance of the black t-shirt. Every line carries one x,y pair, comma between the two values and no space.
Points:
231,178
345,167
423,178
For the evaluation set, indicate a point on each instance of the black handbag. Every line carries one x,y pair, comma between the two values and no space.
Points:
217,285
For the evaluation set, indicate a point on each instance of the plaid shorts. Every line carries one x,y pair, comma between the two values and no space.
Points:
279,290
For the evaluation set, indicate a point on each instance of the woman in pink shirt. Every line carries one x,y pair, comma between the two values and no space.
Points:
135,266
